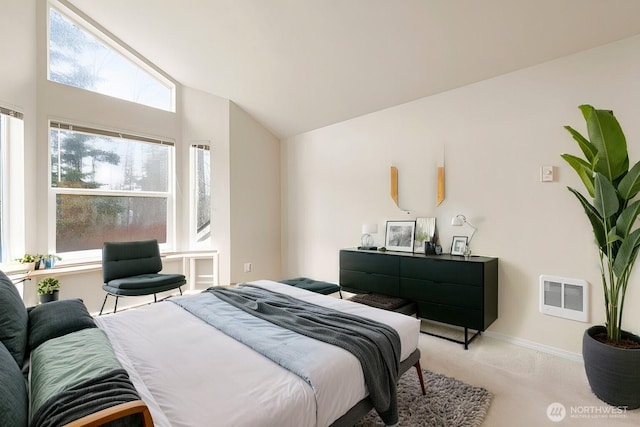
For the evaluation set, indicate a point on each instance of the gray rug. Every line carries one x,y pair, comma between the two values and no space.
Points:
449,402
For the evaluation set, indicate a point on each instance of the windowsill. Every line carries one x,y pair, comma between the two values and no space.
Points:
15,268
67,269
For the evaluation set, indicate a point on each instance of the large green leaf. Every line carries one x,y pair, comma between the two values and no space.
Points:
583,169
613,236
627,253
627,218
606,135
589,150
606,198
597,224
629,186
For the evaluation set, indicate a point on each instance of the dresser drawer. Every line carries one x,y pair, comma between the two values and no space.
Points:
368,262
355,281
452,315
440,270
453,294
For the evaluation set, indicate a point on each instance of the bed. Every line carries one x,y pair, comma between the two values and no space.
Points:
191,374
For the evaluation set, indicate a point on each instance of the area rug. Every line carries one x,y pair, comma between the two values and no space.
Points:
448,402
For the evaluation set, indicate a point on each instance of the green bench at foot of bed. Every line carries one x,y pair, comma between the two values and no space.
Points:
324,288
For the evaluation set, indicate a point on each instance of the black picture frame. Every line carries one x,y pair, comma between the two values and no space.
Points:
399,236
458,245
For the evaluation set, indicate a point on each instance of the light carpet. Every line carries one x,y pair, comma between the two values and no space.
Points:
448,402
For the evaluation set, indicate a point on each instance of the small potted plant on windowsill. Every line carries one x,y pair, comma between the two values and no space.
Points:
50,260
31,262
48,289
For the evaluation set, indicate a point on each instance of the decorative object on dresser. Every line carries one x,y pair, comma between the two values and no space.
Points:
458,221
445,288
458,245
366,241
611,354
425,235
400,235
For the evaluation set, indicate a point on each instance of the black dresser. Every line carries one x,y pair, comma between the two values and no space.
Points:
446,288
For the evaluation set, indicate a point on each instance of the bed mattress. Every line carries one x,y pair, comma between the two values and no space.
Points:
190,374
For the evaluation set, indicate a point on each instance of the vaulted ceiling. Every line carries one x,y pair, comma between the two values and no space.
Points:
297,65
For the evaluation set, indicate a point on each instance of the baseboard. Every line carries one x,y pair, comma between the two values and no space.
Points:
535,346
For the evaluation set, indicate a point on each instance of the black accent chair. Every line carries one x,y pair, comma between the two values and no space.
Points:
132,269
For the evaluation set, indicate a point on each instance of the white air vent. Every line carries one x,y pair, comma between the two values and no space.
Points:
564,297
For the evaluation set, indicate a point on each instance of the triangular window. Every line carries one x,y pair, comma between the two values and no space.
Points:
89,60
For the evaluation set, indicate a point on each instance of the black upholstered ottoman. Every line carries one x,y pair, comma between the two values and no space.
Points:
385,302
317,286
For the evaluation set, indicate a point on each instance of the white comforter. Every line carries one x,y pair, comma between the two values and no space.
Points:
190,374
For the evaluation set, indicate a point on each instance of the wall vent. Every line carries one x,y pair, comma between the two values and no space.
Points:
564,297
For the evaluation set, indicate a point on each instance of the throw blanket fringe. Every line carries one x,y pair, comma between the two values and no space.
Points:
375,345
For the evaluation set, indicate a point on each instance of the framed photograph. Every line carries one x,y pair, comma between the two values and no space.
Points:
458,244
400,235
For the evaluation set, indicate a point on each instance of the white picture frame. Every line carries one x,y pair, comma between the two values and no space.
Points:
458,245
399,236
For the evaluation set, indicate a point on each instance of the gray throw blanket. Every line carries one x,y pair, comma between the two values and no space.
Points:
375,345
101,392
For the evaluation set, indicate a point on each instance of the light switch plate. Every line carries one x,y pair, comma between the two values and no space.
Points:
546,173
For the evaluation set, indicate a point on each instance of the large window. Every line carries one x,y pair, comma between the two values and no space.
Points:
3,180
109,187
79,58
201,196
11,132
3,138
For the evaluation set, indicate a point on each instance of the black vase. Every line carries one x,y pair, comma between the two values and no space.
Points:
48,297
429,248
613,373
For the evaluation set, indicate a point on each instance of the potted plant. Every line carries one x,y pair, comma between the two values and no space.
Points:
611,354
32,261
50,260
48,289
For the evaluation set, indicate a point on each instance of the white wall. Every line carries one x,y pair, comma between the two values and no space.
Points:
496,134
206,118
255,199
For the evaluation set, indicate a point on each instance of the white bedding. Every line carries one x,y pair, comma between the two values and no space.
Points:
190,374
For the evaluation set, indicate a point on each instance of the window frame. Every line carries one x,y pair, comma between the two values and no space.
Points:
170,194
193,203
12,153
76,16
4,187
